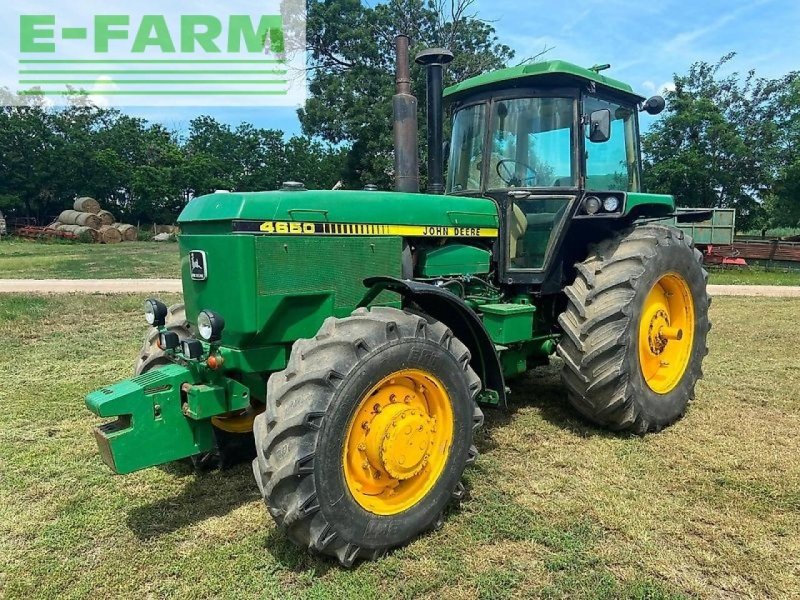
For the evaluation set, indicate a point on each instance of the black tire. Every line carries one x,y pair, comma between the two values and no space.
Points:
300,437
601,371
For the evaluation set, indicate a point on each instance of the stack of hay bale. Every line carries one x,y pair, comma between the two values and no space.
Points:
89,221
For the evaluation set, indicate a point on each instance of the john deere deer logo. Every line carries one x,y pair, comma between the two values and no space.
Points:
197,265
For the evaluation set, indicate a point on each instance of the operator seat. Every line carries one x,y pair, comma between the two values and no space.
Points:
517,226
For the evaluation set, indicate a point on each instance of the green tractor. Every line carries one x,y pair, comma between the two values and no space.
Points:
346,340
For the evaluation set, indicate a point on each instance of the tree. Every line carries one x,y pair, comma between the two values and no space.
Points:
718,144
351,73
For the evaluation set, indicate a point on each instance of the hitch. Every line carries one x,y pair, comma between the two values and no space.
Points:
161,416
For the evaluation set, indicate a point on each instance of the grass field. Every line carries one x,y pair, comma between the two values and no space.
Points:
24,259
709,508
753,276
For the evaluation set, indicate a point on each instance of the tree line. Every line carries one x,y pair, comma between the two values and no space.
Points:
725,140
143,171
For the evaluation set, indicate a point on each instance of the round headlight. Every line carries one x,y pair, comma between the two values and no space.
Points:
611,204
591,205
209,325
155,312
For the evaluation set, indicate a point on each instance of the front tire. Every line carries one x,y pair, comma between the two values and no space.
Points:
366,433
635,330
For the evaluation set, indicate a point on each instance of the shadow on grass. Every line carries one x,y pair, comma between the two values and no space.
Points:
206,495
540,389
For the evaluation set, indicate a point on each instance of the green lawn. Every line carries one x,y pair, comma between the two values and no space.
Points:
753,276
26,259
558,509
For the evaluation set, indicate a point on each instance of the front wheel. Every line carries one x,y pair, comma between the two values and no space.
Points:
635,330
367,432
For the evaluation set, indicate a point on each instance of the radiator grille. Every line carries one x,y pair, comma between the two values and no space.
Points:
288,266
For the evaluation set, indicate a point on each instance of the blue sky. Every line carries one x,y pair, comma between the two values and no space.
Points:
645,42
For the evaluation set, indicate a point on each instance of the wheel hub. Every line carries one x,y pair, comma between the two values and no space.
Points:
666,333
398,442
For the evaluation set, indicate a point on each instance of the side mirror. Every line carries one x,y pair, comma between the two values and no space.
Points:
600,126
654,105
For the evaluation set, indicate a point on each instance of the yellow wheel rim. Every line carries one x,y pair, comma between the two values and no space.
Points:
398,441
666,333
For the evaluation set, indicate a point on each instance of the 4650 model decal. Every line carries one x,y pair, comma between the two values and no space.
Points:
365,229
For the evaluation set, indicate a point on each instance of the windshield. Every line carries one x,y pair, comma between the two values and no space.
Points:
531,143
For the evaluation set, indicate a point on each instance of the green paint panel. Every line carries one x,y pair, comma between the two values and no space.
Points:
304,280
531,74
654,205
453,259
508,323
341,207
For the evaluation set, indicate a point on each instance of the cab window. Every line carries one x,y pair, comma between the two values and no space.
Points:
613,165
466,149
532,226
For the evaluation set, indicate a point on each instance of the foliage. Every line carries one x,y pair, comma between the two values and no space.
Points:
141,171
724,142
351,55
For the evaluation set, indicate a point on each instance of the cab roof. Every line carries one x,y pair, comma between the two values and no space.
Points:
546,70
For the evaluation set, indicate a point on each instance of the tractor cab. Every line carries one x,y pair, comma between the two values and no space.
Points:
551,143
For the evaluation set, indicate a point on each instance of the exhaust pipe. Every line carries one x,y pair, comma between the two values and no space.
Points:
433,59
404,106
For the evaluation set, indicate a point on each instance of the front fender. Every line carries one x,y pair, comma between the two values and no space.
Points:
465,324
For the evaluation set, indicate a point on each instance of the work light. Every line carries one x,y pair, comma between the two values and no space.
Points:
591,205
210,325
168,340
611,204
155,312
192,349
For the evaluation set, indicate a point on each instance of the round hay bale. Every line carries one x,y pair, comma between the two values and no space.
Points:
106,217
129,232
83,233
53,225
110,235
73,217
86,204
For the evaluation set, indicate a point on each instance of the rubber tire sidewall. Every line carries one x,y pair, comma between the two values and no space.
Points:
357,525
678,258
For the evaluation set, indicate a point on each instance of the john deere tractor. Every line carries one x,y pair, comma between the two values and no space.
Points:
346,340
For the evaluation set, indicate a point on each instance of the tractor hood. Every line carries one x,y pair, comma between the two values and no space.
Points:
321,206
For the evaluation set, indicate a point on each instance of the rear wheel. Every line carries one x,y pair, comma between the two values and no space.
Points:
367,433
635,330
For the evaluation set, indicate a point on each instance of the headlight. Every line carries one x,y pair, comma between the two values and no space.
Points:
210,325
591,205
155,312
611,204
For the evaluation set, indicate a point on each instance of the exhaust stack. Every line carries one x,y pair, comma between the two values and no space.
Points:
433,59
404,105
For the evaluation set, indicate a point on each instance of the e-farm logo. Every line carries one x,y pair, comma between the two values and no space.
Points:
158,59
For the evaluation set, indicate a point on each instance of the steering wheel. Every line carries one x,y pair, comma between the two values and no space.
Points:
510,177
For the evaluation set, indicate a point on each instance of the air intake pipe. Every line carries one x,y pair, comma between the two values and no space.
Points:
404,107
434,59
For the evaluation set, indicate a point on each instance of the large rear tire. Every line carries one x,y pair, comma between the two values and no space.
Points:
366,433
635,330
